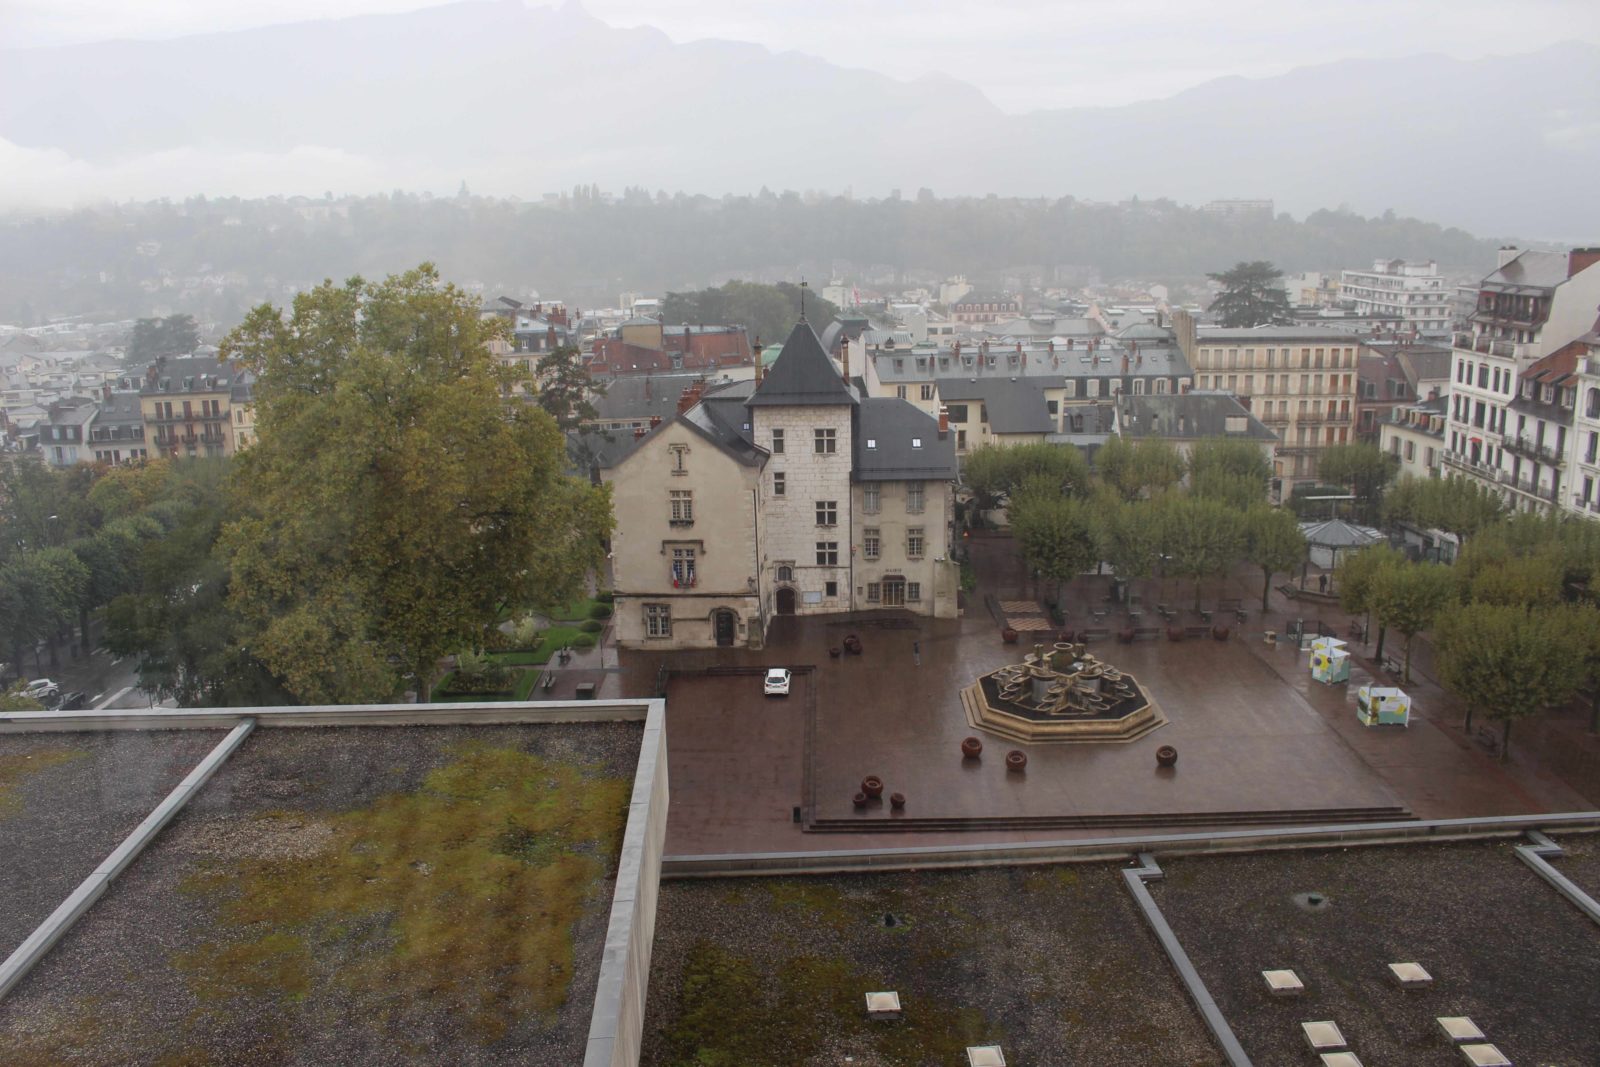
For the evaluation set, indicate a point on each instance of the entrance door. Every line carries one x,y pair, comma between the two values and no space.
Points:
723,621
785,601
894,592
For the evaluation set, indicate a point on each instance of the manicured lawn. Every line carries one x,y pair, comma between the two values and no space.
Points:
576,611
521,687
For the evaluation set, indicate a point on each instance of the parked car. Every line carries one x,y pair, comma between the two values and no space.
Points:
73,701
777,683
41,689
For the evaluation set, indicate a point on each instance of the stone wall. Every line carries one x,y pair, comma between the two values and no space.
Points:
789,529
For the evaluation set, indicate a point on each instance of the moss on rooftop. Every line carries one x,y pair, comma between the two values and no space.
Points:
465,890
18,767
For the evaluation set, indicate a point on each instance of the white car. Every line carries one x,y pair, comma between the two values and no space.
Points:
40,688
777,684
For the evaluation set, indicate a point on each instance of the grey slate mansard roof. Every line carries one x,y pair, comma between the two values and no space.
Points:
1531,270
1015,405
803,375
893,425
1203,414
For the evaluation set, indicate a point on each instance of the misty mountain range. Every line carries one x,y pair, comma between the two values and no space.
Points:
519,101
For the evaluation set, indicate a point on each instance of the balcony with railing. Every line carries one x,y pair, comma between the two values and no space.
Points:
1488,346
1547,493
1522,446
1466,463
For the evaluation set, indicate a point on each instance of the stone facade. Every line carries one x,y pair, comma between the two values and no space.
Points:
792,561
900,544
693,569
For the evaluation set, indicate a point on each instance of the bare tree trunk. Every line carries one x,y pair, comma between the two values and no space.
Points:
1266,587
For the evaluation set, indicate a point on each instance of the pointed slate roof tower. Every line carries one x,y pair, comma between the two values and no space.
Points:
803,375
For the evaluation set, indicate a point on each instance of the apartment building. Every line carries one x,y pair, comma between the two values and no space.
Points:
1414,436
1412,296
1300,381
117,434
1584,458
794,495
1507,433
186,407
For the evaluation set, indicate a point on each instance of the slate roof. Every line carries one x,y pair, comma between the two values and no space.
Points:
1211,335
1336,533
893,427
121,410
1014,405
638,396
1190,415
803,375
1531,270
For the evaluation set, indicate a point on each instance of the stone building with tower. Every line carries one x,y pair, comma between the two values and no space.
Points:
792,494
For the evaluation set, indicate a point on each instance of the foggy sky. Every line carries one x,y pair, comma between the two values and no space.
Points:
1024,54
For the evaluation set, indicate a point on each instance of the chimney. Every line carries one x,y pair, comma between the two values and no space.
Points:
638,432
1581,259
1506,254
1124,363
759,369
844,357
655,420
550,336
944,423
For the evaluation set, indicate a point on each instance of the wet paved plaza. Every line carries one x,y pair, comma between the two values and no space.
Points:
1254,733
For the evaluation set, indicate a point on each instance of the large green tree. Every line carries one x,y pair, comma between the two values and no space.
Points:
1055,533
1355,580
1201,538
1508,662
1273,542
1130,535
565,390
1362,468
175,335
1139,468
1460,506
1251,295
1410,597
768,312
393,504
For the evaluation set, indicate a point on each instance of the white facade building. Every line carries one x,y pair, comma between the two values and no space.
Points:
1511,397
790,495
1413,295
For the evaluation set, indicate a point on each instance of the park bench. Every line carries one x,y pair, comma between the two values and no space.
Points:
1197,631
1488,740
1094,633
1392,666
1147,633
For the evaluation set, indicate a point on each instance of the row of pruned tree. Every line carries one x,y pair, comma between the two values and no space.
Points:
1515,621
1146,509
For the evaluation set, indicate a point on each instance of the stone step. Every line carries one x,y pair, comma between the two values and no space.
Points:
876,823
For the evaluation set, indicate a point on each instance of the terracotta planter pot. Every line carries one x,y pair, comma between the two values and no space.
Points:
897,801
1174,633
1166,756
1125,636
971,748
861,800
1065,637
1220,633
1008,635
1016,760
872,785
835,651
